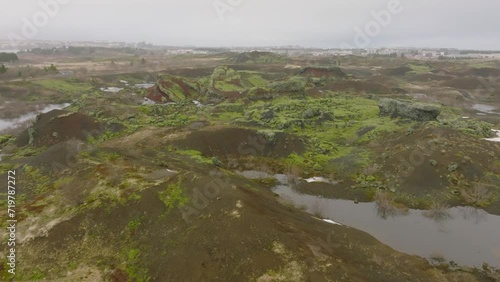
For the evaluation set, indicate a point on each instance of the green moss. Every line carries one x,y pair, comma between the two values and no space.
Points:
6,166
28,151
37,275
288,86
420,68
178,89
62,181
195,155
134,197
173,196
73,266
34,179
226,86
133,267
256,80
104,136
133,225
4,139
228,116
470,127
70,86
480,65
107,156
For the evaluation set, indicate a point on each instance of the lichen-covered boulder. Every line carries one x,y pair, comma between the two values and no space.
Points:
414,111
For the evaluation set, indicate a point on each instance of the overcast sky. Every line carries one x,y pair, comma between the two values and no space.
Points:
462,24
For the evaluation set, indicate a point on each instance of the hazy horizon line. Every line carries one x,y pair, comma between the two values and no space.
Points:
299,46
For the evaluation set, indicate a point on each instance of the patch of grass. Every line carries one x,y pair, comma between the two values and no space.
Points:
195,155
480,65
72,266
173,196
38,275
6,167
227,116
62,181
104,136
70,86
4,139
134,224
28,151
133,268
332,126
419,68
134,197
35,180
227,86
471,127
165,115
256,80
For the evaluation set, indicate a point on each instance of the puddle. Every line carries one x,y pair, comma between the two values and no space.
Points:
147,101
465,235
197,103
111,89
494,139
320,180
13,123
144,85
254,174
485,109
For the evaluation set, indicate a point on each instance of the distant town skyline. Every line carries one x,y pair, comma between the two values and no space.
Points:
242,23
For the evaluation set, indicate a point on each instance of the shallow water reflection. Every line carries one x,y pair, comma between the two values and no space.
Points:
465,235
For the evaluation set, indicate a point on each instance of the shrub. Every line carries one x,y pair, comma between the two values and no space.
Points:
479,195
386,207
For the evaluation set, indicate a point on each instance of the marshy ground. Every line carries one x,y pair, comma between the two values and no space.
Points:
146,184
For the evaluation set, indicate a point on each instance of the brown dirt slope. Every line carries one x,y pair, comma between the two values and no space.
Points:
56,126
222,142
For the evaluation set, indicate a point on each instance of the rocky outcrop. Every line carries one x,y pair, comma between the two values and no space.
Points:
171,88
414,111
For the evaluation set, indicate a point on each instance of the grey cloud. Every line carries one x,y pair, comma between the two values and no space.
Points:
323,23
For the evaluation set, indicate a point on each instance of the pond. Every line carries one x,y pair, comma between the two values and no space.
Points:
144,85
466,235
485,109
111,89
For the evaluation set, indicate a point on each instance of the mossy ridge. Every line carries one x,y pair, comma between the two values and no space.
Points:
177,88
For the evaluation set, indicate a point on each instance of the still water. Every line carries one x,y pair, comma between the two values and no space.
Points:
465,235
